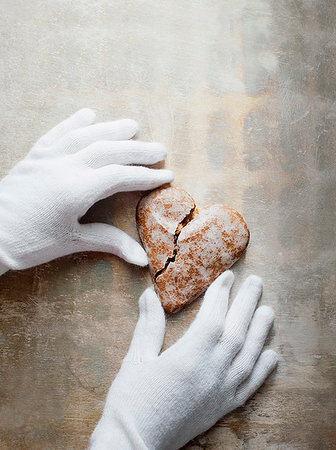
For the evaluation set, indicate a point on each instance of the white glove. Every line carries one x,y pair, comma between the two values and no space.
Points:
68,169
163,401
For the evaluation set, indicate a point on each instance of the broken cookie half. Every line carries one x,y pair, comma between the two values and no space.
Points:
187,248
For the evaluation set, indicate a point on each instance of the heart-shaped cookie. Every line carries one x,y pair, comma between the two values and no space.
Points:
187,248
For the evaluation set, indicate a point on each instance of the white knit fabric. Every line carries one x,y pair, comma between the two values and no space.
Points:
68,169
163,401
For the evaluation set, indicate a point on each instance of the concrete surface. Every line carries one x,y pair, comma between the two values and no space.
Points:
243,95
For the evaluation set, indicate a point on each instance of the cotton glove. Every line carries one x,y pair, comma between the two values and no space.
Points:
68,169
163,401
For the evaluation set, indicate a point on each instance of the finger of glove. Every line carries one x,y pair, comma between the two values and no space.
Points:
108,180
266,363
257,333
149,332
81,118
209,321
240,314
101,237
103,153
106,131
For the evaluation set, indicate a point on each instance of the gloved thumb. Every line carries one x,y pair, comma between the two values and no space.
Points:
101,237
150,330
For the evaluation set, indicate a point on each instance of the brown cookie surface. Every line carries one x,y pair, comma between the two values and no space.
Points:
187,248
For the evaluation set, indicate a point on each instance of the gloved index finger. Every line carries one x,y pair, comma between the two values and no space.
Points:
103,153
78,139
115,178
81,118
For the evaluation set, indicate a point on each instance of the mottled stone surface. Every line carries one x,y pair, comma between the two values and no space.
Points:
243,95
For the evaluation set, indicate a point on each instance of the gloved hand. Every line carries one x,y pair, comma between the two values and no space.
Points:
68,169
163,401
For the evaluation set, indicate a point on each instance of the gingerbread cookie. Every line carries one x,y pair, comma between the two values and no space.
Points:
187,248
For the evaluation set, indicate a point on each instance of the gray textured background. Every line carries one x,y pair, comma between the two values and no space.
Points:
243,95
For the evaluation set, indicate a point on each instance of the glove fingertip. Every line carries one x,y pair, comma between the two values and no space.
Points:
87,115
270,359
141,260
255,281
166,175
266,312
227,278
132,126
149,301
137,255
159,151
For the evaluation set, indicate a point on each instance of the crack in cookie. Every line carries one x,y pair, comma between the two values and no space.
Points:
188,218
